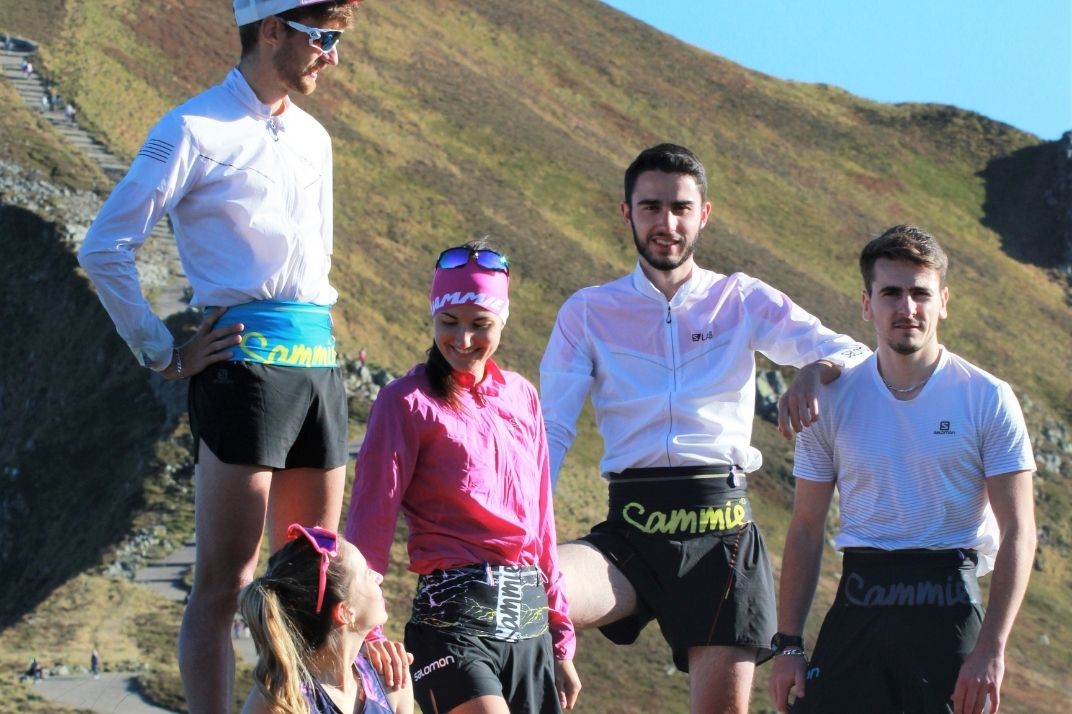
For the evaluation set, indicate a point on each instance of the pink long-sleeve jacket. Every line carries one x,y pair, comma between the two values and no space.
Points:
474,484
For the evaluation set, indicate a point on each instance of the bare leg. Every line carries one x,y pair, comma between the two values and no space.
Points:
598,592
481,705
311,497
229,505
720,679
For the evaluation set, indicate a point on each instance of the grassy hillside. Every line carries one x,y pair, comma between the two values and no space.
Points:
456,119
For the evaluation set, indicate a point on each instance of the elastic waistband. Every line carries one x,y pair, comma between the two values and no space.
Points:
286,334
924,557
674,473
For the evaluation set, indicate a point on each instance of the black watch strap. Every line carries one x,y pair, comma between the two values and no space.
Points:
781,640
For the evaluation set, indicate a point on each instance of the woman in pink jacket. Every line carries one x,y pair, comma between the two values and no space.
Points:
458,445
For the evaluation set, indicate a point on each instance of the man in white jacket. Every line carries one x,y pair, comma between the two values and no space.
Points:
246,178
668,354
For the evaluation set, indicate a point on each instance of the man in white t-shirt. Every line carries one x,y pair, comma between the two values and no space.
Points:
933,465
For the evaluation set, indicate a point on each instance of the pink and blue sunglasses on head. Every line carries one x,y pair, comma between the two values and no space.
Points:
324,542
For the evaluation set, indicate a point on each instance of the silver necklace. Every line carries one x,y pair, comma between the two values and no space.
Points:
905,390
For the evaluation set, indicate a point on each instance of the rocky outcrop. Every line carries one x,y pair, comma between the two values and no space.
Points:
1059,198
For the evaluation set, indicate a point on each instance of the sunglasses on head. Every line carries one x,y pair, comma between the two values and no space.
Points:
319,37
459,257
324,542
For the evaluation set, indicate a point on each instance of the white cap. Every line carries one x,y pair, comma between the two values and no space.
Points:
247,11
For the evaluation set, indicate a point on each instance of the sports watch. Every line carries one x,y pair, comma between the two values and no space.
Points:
782,641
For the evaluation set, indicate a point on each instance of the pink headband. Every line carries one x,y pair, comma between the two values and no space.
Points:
490,289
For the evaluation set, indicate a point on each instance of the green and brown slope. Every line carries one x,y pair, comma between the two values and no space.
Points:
456,119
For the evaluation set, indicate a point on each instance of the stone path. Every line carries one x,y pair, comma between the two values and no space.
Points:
161,275
158,260
167,577
113,692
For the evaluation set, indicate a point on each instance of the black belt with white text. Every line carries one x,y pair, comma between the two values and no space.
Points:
680,502
500,602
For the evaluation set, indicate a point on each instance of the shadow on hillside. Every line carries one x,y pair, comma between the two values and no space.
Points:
1016,205
77,421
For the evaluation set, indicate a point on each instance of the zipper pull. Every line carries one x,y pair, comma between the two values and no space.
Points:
479,399
667,313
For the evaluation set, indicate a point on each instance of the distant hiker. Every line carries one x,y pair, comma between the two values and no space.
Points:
34,671
309,615
69,112
668,353
46,105
94,663
8,42
932,462
458,445
246,177
27,68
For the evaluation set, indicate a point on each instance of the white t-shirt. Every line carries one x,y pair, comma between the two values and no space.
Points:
911,474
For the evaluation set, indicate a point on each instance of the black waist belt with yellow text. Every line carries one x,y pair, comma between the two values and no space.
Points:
680,502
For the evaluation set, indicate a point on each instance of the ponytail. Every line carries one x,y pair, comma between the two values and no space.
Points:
280,672
441,378
280,609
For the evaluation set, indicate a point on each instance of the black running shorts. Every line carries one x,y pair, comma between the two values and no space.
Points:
901,626
451,668
267,415
685,540
688,587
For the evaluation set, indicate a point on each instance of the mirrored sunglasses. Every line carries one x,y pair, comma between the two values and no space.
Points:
319,37
487,259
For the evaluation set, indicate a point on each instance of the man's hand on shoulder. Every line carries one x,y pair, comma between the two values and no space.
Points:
798,408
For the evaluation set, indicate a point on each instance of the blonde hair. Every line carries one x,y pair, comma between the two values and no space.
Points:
280,672
280,609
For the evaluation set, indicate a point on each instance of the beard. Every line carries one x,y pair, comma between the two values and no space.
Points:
906,348
663,262
909,344
293,76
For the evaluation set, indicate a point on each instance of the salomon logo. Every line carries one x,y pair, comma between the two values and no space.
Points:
438,664
944,428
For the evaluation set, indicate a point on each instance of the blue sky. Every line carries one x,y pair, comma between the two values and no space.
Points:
1009,60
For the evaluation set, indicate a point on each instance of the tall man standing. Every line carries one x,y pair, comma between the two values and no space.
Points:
668,353
246,177
933,465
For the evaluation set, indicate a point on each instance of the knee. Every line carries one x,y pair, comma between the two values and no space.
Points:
218,588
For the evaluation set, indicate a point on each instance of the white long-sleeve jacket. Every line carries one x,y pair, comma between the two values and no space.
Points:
673,382
250,199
